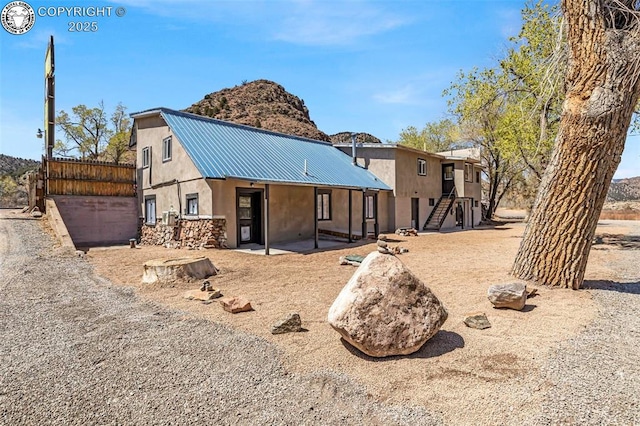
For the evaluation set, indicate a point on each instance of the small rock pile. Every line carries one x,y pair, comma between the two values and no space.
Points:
384,248
407,232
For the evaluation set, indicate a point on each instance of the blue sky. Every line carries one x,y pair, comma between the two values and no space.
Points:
365,66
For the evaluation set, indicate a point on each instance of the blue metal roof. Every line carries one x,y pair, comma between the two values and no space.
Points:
220,149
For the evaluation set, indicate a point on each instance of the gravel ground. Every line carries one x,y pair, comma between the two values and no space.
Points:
76,350
593,378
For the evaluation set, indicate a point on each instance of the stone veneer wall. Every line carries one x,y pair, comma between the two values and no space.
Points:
194,234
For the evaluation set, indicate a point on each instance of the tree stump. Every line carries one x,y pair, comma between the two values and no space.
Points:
166,271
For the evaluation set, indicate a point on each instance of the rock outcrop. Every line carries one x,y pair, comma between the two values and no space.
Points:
261,103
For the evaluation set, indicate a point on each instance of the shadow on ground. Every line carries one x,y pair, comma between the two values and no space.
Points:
443,342
631,288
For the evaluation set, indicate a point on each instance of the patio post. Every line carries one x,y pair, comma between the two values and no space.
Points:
364,214
315,216
350,216
266,219
376,225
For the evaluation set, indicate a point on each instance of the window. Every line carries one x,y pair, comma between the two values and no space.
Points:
476,203
166,149
448,172
468,172
422,167
146,156
478,177
324,205
192,204
432,202
370,211
150,210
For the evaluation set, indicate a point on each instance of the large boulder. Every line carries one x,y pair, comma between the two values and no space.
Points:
385,310
168,271
512,295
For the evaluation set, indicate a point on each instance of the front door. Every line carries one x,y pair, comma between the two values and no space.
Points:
249,213
415,212
447,179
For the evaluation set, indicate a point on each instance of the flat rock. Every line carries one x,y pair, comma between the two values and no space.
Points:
202,295
385,310
512,295
289,324
477,320
235,304
183,268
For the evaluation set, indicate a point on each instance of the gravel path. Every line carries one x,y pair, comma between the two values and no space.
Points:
594,378
76,350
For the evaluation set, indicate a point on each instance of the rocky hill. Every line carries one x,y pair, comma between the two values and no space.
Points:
345,137
260,103
14,166
624,190
13,170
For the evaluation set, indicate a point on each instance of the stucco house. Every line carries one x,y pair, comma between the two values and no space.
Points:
206,182
430,191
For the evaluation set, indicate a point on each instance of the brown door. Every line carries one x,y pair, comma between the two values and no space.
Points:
415,212
249,214
447,179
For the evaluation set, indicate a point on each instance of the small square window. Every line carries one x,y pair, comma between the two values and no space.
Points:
166,149
192,205
422,167
432,202
146,156
324,205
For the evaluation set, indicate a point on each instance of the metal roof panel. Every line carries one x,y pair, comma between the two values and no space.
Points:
220,149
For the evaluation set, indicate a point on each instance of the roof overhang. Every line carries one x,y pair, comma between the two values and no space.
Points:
389,146
293,183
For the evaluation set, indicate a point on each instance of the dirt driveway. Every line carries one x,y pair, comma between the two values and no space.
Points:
494,376
77,350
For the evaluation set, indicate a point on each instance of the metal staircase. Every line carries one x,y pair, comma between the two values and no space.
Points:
439,213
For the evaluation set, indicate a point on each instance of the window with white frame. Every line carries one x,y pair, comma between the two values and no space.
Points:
146,156
191,207
448,172
468,172
166,149
150,210
370,210
422,167
324,205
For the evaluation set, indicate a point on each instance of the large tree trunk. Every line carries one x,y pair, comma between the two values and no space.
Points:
602,91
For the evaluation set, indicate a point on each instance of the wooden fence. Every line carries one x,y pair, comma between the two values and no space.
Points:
81,177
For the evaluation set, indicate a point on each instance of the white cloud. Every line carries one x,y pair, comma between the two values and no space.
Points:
327,23
303,22
403,95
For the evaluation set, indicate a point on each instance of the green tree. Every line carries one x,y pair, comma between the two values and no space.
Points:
434,137
90,134
119,135
479,101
